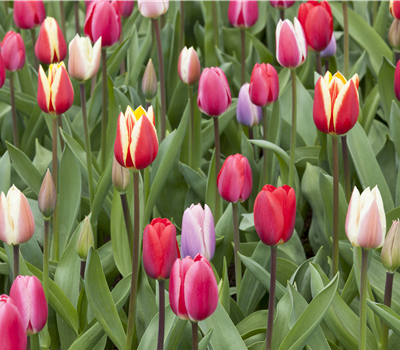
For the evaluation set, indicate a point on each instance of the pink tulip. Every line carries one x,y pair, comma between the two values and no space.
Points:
153,9
28,295
193,290
125,8
282,4
264,85
2,71
29,14
189,66
243,14
13,50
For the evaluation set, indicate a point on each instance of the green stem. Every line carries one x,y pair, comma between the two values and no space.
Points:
318,59
46,254
294,122
217,167
33,36
121,40
215,23
335,253
104,116
346,39
162,78
387,301
161,320
236,241
59,120
182,25
191,128
128,221
54,174
243,52
76,10
346,167
16,260
397,56
13,111
326,65
282,14
265,151
271,300
195,336
363,300
62,14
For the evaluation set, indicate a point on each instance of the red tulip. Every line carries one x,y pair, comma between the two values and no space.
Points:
12,330
275,214
13,50
29,14
2,71
243,14
160,248
214,95
282,4
235,179
125,8
28,295
102,20
264,85
396,81
317,21
394,8
193,290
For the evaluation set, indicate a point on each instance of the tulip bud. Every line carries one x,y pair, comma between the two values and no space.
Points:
390,254
83,62
102,20
394,8
331,48
282,4
50,46
243,13
336,104
189,66
28,295
149,82
125,8
214,95
275,214
17,224
55,93
247,113
121,177
28,14
198,232
366,221
264,85
86,240
12,330
193,289
153,9
2,71
47,198
397,81
291,44
235,180
13,51
394,34
160,248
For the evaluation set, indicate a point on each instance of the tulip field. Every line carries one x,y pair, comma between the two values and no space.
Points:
199,175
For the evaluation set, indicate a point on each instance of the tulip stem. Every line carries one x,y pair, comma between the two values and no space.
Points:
191,127
265,151
59,120
87,143
121,40
46,253
318,59
182,24
217,167
397,56
387,301
335,254
195,336
76,9
13,111
33,36
243,51
104,116
236,241
215,22
16,260
128,221
346,39
62,14
346,166
161,319
326,65
294,122
363,300
54,173
271,299
162,78
282,14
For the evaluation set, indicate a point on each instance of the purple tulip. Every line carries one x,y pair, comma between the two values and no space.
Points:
247,113
330,49
198,232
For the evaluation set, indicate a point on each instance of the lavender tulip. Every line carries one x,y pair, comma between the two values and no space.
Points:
331,48
247,113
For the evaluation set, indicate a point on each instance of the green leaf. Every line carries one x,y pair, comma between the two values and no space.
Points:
371,105
194,180
386,86
206,340
115,60
212,189
387,315
223,289
5,173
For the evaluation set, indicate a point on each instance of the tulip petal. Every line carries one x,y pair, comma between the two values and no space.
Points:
169,253
322,106
192,241
44,47
318,28
20,295
369,233
121,145
352,216
44,91
289,213
62,92
230,179
152,252
106,24
248,180
39,311
209,233
288,50
6,228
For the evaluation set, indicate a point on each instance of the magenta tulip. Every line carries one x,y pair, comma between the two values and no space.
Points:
264,85
282,4
243,14
29,14
13,50
247,113
125,8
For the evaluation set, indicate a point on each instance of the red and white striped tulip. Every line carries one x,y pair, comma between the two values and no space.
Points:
13,50
189,66
394,8
153,9
243,13
29,14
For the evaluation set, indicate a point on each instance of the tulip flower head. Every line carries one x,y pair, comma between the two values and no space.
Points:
28,295
13,51
247,113
2,71
291,44
84,60
55,93
193,290
125,8
47,198
275,214
394,8
28,14
160,248
243,13
17,224
394,34
390,254
50,46
153,9
198,232
281,4
264,85
121,178
149,82
336,105
330,49
366,220
189,66
136,145
85,240
12,330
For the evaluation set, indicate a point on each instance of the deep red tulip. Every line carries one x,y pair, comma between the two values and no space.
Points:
264,85
275,214
193,290
317,21
29,14
235,180
13,50
160,248
243,13
282,4
394,8
397,81
2,71
125,8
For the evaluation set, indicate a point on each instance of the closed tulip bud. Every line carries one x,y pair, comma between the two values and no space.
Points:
13,51
198,232
136,145
83,62
85,240
28,14
275,214
149,82
390,254
336,105
394,34
264,85
102,20
121,178
47,198
12,330
189,66
160,248
55,93
235,180
28,295
247,113
50,46
394,8
2,71
317,21
366,221
330,49
153,9
214,95
397,81
17,224
291,44
125,8
282,4
193,289
243,13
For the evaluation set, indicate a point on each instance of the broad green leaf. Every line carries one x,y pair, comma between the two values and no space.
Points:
114,61
194,180
223,289
386,86
371,105
206,340
5,173
387,315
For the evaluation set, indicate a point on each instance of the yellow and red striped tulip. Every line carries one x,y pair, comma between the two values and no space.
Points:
336,104
136,145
